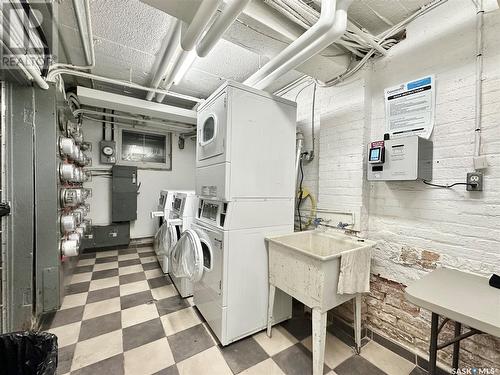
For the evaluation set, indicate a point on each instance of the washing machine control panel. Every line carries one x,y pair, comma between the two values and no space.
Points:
213,212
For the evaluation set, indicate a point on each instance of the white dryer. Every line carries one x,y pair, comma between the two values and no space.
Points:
245,179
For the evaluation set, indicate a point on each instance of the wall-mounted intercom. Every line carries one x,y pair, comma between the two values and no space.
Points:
400,159
107,152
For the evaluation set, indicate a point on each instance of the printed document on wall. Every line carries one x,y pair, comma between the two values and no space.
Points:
410,108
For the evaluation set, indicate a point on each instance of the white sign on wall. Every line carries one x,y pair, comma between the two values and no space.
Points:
410,108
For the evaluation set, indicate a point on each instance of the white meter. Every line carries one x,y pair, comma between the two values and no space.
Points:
400,159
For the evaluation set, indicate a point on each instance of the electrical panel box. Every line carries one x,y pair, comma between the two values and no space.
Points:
112,235
400,159
107,152
124,193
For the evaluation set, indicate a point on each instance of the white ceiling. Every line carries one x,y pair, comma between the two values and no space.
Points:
128,34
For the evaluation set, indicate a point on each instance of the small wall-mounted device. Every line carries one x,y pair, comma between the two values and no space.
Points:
107,152
400,159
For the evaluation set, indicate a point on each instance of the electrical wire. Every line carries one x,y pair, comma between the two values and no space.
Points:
447,186
299,201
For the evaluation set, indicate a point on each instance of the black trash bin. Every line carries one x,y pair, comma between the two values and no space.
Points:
28,353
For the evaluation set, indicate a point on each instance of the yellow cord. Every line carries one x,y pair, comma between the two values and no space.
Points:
306,194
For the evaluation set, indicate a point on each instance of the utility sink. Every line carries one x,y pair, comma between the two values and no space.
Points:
306,265
320,245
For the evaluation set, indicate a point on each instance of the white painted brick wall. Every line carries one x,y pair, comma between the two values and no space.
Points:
462,227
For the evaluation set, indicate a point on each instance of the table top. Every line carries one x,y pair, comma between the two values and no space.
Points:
459,296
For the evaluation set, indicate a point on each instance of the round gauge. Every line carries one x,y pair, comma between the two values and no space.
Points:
108,151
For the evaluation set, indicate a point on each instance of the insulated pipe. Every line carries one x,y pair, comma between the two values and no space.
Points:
220,25
333,19
325,22
179,60
23,62
87,43
169,46
200,21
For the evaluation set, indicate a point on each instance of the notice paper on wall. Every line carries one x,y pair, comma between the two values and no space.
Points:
410,108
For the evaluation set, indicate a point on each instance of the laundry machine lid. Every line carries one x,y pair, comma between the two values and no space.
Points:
166,237
187,256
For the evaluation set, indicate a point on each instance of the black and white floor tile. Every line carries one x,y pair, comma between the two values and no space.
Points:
121,315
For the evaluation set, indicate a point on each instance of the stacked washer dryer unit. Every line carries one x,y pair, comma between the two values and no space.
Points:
245,183
73,208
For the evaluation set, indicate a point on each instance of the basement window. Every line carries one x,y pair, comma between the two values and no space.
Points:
146,149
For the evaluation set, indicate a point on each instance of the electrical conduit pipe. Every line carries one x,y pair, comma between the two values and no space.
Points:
330,26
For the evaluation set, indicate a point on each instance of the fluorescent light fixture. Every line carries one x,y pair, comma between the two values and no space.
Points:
187,60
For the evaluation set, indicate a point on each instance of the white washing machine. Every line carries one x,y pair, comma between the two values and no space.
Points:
226,259
183,213
166,236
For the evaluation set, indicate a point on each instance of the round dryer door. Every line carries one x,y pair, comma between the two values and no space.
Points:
189,255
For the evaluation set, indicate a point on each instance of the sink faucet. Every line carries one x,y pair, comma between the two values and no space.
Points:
342,225
326,223
320,221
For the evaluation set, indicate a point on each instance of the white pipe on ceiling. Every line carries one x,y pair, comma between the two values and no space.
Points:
330,26
169,46
220,25
198,25
184,55
182,61
25,64
87,43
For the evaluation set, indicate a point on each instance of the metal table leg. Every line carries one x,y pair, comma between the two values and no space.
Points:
456,345
270,308
433,344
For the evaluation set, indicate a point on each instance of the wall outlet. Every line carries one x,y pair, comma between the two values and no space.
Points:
475,181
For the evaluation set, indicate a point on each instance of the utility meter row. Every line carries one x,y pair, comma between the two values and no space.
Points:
73,197
73,221
69,173
69,149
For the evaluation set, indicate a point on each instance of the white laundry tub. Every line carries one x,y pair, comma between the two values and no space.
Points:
306,265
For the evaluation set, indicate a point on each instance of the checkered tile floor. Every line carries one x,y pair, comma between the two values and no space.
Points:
122,316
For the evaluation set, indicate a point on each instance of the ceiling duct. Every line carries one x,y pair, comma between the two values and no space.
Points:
330,26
